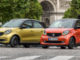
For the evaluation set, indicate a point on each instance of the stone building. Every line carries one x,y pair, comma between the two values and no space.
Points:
53,9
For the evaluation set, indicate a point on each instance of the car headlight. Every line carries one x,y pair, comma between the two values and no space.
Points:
44,33
7,31
65,32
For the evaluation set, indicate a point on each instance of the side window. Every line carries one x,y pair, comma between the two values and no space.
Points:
28,24
78,24
37,25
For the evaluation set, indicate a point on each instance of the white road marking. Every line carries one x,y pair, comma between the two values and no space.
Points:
27,58
62,58
3,57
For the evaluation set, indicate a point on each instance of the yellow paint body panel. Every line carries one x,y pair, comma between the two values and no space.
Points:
29,35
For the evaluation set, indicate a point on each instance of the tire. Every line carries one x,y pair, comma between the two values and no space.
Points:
14,41
45,46
71,43
63,47
26,46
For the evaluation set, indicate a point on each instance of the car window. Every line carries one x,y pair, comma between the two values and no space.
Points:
13,23
78,24
62,24
37,25
28,24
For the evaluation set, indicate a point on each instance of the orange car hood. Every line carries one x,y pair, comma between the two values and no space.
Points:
57,30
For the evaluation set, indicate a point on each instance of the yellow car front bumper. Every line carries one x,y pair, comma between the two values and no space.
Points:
4,39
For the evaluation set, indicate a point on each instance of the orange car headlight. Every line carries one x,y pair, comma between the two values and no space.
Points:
65,32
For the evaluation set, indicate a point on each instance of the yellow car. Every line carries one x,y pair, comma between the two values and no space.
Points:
21,31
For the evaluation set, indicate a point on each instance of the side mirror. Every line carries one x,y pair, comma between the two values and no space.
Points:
23,26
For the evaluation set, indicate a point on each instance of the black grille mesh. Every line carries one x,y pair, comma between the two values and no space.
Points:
1,33
54,34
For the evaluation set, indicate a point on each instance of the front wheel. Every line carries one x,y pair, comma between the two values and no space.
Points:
71,43
14,41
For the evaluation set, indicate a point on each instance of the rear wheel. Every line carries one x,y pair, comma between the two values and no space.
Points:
45,46
26,45
63,47
71,43
14,41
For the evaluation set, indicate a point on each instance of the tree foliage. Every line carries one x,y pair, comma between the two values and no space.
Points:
74,10
10,9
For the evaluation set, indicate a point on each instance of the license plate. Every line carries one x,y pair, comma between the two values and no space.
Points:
52,39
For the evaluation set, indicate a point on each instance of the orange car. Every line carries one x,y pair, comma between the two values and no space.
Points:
63,33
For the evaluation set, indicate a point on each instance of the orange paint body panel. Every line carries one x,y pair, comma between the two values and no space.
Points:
62,39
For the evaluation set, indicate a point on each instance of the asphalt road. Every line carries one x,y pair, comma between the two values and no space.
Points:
37,53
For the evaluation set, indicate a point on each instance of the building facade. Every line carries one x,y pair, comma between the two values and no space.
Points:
53,9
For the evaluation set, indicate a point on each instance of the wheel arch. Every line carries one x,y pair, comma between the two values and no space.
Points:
74,39
17,36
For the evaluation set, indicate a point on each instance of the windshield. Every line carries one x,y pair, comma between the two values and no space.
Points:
62,24
13,23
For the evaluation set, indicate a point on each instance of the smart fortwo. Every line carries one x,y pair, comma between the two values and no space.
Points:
63,33
21,31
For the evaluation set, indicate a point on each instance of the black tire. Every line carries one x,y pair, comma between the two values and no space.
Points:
45,46
14,41
71,43
63,47
26,45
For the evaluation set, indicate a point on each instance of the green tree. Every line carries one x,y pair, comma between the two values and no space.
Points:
35,10
74,10
10,9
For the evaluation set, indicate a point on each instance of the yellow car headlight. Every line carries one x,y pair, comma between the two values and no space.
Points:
7,31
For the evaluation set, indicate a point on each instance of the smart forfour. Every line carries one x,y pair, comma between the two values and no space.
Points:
63,33
21,31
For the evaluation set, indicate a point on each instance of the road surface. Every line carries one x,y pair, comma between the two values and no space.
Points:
37,53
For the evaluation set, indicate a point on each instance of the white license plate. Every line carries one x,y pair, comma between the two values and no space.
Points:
52,39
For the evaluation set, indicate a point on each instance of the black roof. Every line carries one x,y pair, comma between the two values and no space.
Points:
26,19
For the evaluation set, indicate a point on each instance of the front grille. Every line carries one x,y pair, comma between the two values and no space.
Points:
54,34
1,33
2,40
54,42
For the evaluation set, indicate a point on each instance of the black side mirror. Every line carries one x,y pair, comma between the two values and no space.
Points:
23,26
